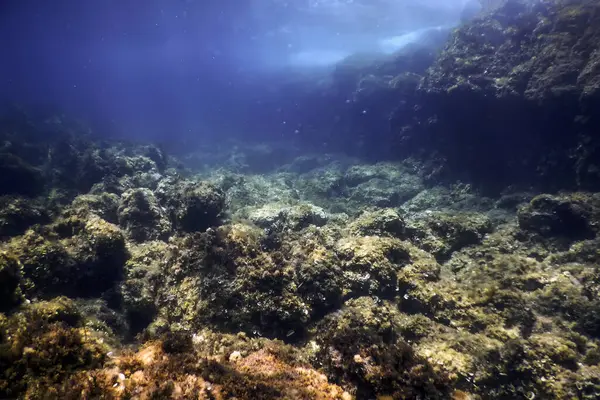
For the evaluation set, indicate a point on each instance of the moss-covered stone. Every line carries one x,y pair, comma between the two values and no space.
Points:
194,206
575,216
442,233
10,278
42,345
17,214
380,222
277,217
104,205
141,283
79,258
46,265
142,217
567,296
371,264
361,344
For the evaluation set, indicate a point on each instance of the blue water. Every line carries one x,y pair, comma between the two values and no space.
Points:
190,69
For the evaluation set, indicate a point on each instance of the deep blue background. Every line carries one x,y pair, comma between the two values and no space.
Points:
187,70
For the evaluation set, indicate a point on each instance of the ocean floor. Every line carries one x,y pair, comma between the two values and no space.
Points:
259,272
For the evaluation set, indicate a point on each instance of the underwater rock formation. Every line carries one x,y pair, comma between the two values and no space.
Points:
511,98
10,276
508,99
326,278
189,286
274,217
142,217
76,257
382,222
17,214
443,233
192,206
362,343
42,346
575,216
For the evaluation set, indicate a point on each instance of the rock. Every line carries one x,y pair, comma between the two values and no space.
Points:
139,291
142,217
502,103
104,205
275,217
361,343
156,154
17,214
199,206
382,184
79,258
442,233
10,277
46,344
575,216
370,264
381,222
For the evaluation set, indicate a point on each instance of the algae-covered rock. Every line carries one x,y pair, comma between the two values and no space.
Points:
534,64
202,205
348,187
193,206
141,283
10,279
42,345
101,316
228,279
262,295
99,252
543,365
80,258
46,264
156,154
162,369
17,214
442,233
75,165
370,264
103,205
461,197
275,217
568,297
381,185
361,344
575,216
380,222
142,217
112,184
320,279
581,252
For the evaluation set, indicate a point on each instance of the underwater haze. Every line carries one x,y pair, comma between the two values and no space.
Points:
160,69
309,199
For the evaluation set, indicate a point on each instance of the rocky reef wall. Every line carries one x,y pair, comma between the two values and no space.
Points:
511,98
